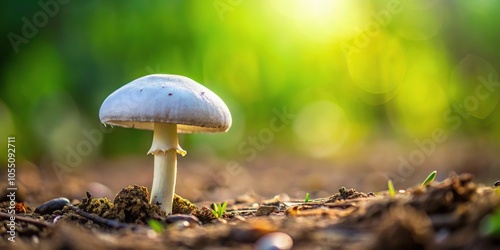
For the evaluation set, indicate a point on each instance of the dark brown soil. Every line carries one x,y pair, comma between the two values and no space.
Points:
452,214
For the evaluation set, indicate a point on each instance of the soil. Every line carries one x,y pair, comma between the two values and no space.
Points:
456,213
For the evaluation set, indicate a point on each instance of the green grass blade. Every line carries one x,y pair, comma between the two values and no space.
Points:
219,209
392,191
430,178
307,198
155,225
490,225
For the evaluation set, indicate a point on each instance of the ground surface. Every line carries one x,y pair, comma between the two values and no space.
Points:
455,213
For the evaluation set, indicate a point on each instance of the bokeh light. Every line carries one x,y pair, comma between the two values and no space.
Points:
351,71
321,128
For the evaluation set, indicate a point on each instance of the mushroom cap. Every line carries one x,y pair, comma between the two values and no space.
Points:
162,98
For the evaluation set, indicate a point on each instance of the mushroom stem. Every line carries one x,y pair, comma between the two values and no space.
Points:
164,148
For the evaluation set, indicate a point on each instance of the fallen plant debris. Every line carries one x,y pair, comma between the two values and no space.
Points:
455,213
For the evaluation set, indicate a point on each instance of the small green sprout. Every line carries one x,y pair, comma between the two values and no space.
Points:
490,225
219,209
392,191
156,226
430,178
307,198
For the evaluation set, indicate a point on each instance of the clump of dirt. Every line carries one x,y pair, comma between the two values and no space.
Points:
453,208
205,215
98,206
182,206
131,205
403,228
348,194
445,196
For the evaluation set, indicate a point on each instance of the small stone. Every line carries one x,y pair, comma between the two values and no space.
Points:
219,221
172,218
265,210
180,225
35,239
52,205
274,241
152,234
56,219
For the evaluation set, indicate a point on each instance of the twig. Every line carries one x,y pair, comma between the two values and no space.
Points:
100,220
94,218
341,204
27,220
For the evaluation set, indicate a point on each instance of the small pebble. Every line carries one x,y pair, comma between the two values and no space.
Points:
497,183
152,234
56,219
274,241
219,221
35,239
183,217
180,225
442,235
52,205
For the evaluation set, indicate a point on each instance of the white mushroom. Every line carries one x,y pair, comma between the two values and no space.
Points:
166,104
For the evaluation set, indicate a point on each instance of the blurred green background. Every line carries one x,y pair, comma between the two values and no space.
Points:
352,72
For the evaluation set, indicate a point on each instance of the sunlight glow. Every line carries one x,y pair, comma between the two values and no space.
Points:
319,19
